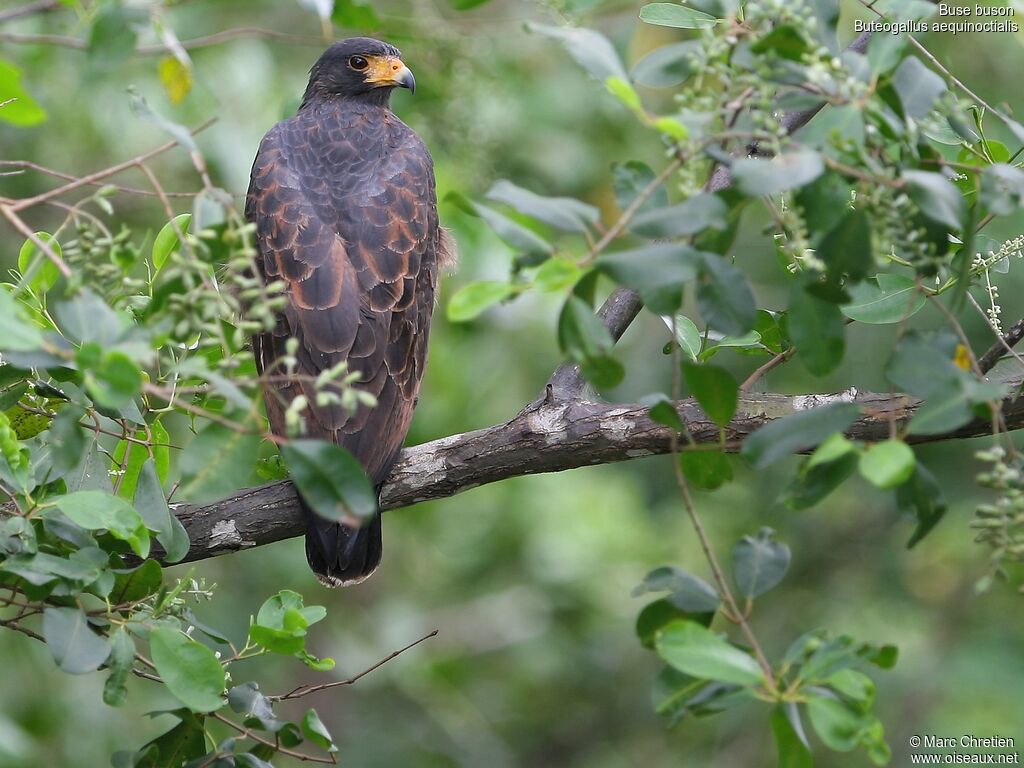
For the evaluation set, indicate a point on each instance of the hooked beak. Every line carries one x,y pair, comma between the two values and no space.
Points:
404,79
390,71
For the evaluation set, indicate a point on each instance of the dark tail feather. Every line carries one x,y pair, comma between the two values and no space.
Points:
341,555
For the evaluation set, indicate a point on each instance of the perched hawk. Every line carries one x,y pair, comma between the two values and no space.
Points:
342,196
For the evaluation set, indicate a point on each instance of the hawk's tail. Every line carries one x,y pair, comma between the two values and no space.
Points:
341,555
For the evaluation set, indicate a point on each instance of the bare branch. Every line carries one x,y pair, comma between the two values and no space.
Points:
78,44
29,9
305,690
548,437
28,165
28,202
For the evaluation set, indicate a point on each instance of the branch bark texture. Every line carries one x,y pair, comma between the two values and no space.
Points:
548,437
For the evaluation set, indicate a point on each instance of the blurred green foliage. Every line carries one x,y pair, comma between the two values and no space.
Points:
528,581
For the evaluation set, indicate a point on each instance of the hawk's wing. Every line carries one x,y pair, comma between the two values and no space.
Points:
348,220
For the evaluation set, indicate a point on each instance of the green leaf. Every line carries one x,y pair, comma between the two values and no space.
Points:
75,648
167,240
204,207
591,50
470,300
689,337
189,669
331,480
825,201
662,410
922,497
657,272
88,318
19,335
923,364
247,700
887,464
1002,189
122,656
724,297
556,274
689,218
784,40
688,592
660,613
18,107
757,177
937,197
698,651
151,503
112,37
281,623
669,65
946,408
581,333
678,16
36,269
892,300
315,731
790,742
918,87
184,742
128,460
603,371
846,250
796,432
136,583
511,232
817,329
818,478
218,461
759,563
629,179
96,510
854,685
583,338
705,469
82,567
715,389
359,14
839,726
564,213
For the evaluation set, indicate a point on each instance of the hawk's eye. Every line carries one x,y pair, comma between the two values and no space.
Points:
358,62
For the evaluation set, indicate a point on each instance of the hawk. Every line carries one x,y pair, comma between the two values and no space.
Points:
344,203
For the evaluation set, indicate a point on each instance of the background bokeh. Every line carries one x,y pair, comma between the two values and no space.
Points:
528,580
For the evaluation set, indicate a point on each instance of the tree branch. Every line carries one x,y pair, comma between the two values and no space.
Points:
549,437
29,9
1004,346
79,44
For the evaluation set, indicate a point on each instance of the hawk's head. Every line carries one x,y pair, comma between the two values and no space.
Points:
359,66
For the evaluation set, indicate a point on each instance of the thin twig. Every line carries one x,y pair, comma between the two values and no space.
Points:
776,361
249,734
26,164
305,690
28,202
29,9
732,611
9,213
635,205
78,44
